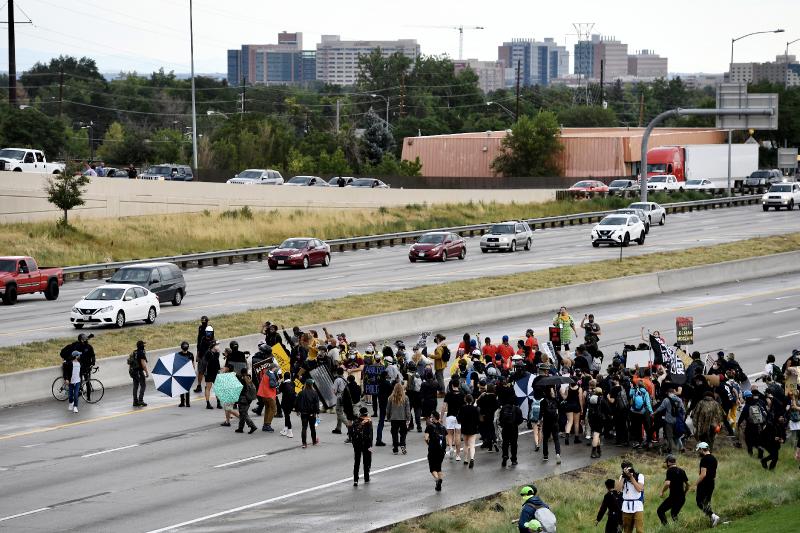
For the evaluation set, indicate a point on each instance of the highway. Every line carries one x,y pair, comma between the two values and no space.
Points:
163,468
242,286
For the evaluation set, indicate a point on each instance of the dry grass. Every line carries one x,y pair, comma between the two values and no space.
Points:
42,354
104,240
743,488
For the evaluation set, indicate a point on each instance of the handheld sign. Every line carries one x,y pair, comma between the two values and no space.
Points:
684,327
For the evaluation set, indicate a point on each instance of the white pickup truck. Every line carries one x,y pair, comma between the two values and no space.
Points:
27,160
664,182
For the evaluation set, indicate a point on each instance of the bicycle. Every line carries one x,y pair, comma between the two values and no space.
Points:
92,390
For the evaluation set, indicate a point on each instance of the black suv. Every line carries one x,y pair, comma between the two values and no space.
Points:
165,280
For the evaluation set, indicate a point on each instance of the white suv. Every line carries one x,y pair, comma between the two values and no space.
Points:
508,236
618,229
781,195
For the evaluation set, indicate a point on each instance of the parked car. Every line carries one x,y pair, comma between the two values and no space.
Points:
437,246
28,160
21,275
168,172
618,229
300,252
763,178
307,181
367,183
589,186
781,195
655,213
664,182
334,181
507,236
165,280
639,213
699,185
115,304
623,185
257,176
121,173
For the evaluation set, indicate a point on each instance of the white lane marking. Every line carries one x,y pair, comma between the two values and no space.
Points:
291,495
241,460
329,277
254,277
110,451
785,297
33,445
784,310
39,510
223,292
754,339
793,333
360,264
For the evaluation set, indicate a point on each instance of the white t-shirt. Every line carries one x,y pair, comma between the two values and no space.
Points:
76,373
632,499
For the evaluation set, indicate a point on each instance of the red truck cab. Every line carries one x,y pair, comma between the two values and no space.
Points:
666,160
21,275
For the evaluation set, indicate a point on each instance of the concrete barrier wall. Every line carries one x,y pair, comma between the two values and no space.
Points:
32,385
22,197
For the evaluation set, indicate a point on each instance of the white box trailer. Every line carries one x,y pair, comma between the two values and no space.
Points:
710,161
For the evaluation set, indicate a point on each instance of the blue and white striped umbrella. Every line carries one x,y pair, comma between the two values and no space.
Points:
173,374
523,390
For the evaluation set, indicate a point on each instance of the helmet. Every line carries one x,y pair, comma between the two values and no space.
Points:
184,346
476,353
234,345
516,358
505,338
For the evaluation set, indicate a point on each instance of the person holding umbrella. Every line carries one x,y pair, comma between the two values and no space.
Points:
308,406
361,438
205,336
190,356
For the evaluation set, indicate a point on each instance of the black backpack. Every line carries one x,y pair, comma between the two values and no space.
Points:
133,363
445,354
507,415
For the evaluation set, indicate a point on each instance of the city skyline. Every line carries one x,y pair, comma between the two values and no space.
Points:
122,37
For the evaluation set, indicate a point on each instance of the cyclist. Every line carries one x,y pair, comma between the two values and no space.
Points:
87,359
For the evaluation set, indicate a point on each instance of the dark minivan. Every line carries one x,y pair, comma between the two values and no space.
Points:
165,280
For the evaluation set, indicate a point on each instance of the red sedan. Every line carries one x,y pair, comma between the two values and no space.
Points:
437,246
300,252
589,186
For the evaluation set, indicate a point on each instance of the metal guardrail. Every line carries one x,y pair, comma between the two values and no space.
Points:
200,260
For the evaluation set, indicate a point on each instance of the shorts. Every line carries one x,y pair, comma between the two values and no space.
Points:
211,377
435,463
201,366
232,407
451,422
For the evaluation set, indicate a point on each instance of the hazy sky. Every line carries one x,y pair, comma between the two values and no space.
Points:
144,35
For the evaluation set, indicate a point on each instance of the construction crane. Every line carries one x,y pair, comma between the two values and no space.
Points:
460,29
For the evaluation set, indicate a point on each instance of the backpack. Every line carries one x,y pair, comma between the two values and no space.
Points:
680,418
638,400
622,399
756,414
132,362
414,382
776,374
273,380
358,435
440,434
594,405
535,410
507,415
545,517
445,354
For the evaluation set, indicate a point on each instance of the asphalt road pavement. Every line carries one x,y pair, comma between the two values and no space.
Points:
243,286
110,468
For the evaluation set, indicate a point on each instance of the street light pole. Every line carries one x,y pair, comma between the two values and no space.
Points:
786,59
733,41
504,108
386,98
194,108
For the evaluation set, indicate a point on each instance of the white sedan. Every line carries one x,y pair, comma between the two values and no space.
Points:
115,304
618,229
699,185
655,213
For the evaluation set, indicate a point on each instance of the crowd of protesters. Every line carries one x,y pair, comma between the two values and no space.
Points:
476,397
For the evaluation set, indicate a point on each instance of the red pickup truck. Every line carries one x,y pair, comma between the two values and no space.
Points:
21,275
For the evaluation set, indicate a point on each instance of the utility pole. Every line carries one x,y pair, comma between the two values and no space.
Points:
194,108
12,59
337,115
519,64
602,78
244,83
60,89
641,109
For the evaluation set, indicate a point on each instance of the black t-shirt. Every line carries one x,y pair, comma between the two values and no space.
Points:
454,401
140,356
436,435
591,327
187,355
709,462
676,477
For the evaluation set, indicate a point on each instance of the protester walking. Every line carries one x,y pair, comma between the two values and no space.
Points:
708,417
487,406
246,397
510,418
398,412
469,419
612,506
453,401
339,387
137,369
269,381
573,406
436,439
212,368
288,401
631,484
549,408
677,483
361,439
705,482
308,406
185,397
205,338
566,326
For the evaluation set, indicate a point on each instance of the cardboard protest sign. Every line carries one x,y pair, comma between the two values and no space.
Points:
684,327
638,357
371,374
281,357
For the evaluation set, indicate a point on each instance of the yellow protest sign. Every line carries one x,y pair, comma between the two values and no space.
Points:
281,357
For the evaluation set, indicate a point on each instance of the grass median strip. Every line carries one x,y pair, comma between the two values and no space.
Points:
743,488
45,353
88,241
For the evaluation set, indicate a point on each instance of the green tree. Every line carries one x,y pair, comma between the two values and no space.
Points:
587,117
390,166
334,164
532,148
300,164
378,139
65,191
30,128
